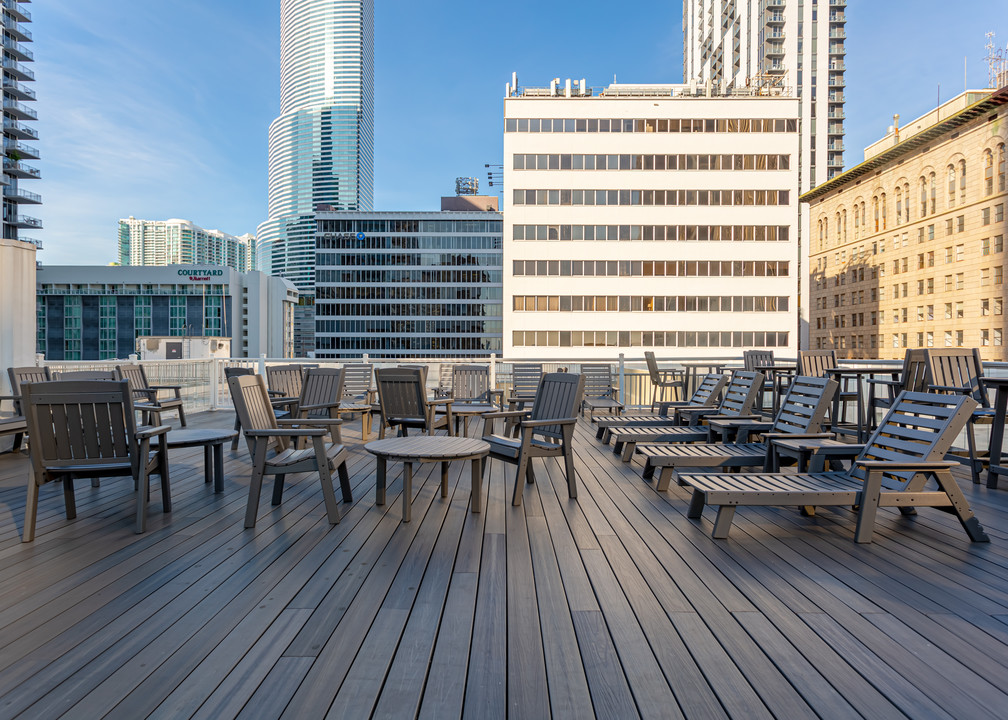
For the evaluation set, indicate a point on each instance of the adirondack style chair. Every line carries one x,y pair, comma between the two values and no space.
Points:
599,392
271,451
87,429
960,370
744,388
913,378
357,394
471,394
706,394
525,379
904,452
20,375
147,394
404,404
662,380
547,431
751,360
321,395
815,363
284,382
801,415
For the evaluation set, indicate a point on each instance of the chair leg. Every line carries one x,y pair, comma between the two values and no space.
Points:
975,463
516,498
571,474
162,470
344,481
31,506
237,427
278,487
255,484
69,500
143,488
181,416
328,494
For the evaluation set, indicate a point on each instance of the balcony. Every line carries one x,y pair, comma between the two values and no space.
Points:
835,161
13,128
836,114
24,221
22,197
19,71
20,170
16,90
835,146
199,616
838,34
24,151
835,97
16,49
836,80
837,17
16,10
774,50
19,110
775,18
837,48
19,31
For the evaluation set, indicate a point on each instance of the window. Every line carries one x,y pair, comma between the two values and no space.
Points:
960,281
985,277
948,255
1001,168
960,223
959,338
997,336
999,212
948,283
923,197
959,310
998,243
899,205
960,252
962,181
930,312
988,173
997,306
948,227
985,307
985,246
948,311
985,337
929,338
998,275
951,186
985,216
933,194
948,338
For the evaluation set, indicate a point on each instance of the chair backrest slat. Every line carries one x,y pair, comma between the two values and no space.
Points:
252,404
815,363
134,375
357,381
558,396
471,383
525,378
285,379
744,388
915,377
598,380
752,359
959,367
804,405
401,395
322,386
652,367
709,388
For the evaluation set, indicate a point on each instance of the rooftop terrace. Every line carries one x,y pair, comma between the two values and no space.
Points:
611,605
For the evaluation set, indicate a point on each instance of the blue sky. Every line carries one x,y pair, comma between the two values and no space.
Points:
161,109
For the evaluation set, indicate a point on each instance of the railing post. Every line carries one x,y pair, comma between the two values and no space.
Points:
215,373
493,370
622,379
262,365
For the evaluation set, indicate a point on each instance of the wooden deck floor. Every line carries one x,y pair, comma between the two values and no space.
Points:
613,605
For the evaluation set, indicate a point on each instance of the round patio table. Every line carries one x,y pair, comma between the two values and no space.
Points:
428,449
210,439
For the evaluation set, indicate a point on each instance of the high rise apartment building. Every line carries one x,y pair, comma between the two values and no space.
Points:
908,247
321,146
171,242
648,217
797,45
18,114
410,284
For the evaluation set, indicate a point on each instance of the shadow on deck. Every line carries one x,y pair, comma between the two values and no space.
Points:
613,605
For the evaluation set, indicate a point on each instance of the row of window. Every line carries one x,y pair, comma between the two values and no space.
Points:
408,226
703,161
418,310
656,233
353,346
413,325
651,268
132,289
651,197
644,338
649,303
410,242
370,259
952,338
650,125
476,293
387,276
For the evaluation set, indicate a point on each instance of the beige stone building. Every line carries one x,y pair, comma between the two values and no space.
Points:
907,249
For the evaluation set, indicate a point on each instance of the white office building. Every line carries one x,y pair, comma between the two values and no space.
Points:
647,217
175,241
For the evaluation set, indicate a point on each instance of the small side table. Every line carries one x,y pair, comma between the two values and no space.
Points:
812,454
428,449
212,441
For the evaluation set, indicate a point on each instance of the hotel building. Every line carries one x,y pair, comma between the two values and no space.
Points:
174,242
97,312
410,284
18,114
649,217
321,147
907,248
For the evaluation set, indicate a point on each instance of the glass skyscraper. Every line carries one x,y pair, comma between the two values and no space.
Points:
321,147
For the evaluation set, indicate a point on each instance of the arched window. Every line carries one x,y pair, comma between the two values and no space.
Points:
951,186
1001,168
962,181
934,192
874,204
864,219
899,205
845,224
838,227
855,221
820,235
884,213
988,173
906,210
923,197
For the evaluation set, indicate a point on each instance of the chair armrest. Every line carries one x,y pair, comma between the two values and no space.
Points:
300,432
147,432
881,381
904,465
504,414
282,401
440,401
554,421
321,406
275,393
177,389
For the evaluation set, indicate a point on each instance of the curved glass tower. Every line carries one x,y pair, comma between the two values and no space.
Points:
321,146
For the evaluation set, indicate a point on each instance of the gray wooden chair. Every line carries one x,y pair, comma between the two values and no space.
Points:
738,401
321,395
801,415
913,378
230,372
960,370
402,398
599,391
902,455
525,378
357,394
816,363
662,380
548,431
86,429
753,359
27,374
707,393
147,394
284,383
272,453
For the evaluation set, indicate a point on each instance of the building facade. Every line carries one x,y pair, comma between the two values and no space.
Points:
908,246
798,45
181,242
321,147
409,284
17,296
646,217
18,132
87,312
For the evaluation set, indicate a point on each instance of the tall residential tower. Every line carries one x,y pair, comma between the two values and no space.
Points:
17,118
170,242
321,146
